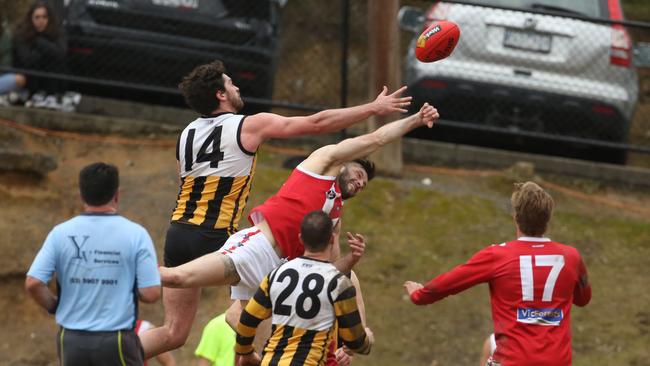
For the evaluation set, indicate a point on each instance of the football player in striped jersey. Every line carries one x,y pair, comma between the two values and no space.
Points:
216,156
304,297
328,176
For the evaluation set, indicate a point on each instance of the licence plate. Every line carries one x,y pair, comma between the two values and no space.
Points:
186,4
527,41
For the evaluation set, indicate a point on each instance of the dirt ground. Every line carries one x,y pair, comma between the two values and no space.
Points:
451,199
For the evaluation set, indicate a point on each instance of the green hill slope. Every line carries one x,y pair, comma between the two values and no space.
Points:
415,231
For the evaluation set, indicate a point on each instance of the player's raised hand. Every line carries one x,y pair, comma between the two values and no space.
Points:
390,103
411,286
357,245
428,115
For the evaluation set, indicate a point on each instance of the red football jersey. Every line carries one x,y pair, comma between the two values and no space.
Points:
533,282
302,193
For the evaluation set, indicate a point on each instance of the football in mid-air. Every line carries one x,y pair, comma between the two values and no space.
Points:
437,41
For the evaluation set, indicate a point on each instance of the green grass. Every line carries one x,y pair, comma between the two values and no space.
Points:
416,233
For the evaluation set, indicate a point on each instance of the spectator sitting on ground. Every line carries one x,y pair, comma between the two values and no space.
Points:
39,45
10,83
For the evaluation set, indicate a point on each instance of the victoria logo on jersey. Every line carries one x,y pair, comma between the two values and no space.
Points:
540,316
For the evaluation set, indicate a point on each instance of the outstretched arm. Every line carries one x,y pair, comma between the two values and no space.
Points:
263,126
327,159
477,270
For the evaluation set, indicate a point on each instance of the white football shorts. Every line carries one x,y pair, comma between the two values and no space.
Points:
253,257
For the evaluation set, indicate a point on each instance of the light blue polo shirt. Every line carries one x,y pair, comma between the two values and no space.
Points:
100,261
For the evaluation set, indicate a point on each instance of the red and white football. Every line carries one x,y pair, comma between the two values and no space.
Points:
437,41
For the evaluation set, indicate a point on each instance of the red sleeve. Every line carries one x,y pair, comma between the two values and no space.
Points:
478,269
582,291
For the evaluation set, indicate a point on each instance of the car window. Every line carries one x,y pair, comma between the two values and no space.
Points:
216,8
590,8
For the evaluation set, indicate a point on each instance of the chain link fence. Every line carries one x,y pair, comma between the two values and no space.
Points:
556,74
546,76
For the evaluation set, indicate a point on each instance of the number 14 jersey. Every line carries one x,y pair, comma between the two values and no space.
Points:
216,173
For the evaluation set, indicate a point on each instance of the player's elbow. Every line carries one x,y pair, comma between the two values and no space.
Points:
581,301
582,297
149,295
33,284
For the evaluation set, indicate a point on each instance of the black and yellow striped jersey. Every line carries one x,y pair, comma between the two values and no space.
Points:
306,299
216,173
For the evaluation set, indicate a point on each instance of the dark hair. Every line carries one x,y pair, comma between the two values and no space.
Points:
533,208
98,183
200,86
316,230
25,30
368,166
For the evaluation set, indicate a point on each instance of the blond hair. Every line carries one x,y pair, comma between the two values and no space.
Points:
532,207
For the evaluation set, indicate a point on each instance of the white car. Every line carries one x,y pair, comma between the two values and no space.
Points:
531,67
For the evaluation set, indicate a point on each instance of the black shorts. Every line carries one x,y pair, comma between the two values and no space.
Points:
185,242
78,347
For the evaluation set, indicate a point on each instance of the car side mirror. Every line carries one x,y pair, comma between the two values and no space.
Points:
410,18
642,54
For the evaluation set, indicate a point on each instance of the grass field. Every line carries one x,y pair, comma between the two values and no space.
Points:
415,231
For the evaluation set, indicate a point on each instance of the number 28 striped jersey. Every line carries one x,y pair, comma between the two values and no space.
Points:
533,282
304,297
216,173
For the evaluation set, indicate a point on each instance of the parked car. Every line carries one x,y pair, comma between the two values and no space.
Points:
530,68
152,43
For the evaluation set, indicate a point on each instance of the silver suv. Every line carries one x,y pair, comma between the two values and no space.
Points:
519,68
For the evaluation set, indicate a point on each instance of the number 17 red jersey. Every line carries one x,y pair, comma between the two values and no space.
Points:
533,283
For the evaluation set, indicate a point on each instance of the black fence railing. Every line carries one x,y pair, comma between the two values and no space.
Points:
559,77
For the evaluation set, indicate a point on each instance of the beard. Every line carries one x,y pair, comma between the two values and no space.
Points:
236,101
343,179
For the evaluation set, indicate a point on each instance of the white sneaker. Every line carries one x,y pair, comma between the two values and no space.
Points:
70,101
36,101
73,97
18,97
52,102
4,100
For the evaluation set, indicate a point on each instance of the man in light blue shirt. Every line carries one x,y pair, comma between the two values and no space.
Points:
104,263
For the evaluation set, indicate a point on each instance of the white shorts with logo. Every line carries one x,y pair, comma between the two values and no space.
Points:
253,257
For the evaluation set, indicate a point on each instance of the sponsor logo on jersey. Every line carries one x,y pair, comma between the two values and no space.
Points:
540,316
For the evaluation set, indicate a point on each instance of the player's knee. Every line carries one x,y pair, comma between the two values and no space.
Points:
176,337
176,340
